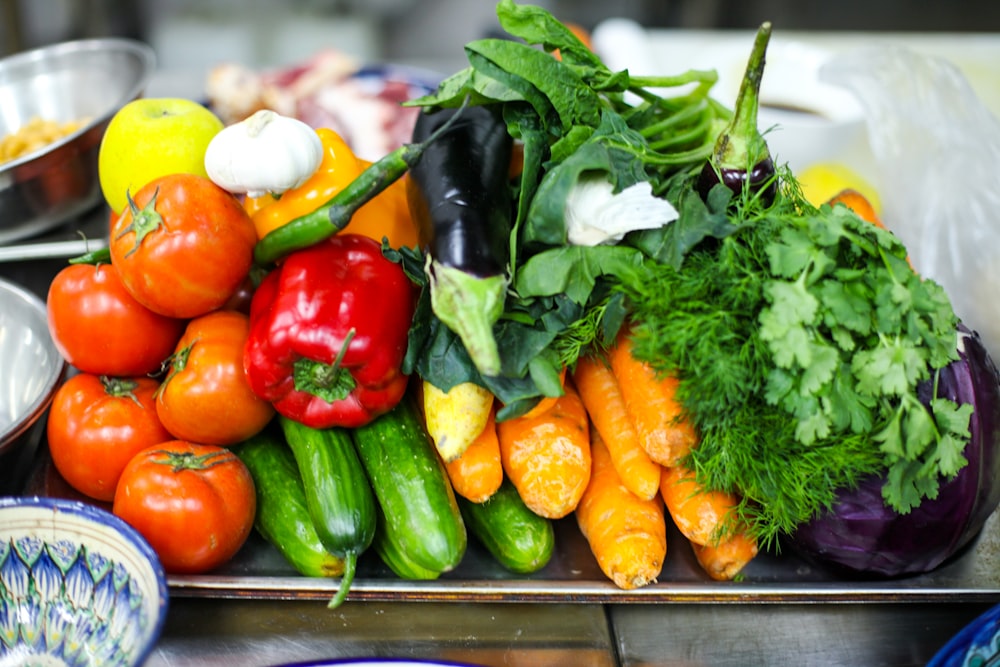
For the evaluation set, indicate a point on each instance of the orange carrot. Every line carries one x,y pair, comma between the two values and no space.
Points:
606,406
477,473
725,560
858,203
652,404
700,514
627,535
547,458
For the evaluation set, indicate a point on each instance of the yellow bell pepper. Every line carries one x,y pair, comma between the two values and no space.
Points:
387,215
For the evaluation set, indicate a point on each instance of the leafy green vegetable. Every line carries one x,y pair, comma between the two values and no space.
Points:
800,336
612,148
571,116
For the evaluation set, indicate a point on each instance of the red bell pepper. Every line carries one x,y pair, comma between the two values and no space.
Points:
328,332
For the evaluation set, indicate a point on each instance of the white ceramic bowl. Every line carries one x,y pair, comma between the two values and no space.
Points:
78,586
31,367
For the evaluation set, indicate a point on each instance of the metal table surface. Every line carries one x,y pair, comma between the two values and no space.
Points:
248,633
245,633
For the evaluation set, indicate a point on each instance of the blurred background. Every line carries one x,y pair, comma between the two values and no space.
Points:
200,33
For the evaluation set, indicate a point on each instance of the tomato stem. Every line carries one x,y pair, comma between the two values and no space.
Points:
177,361
144,220
180,461
120,388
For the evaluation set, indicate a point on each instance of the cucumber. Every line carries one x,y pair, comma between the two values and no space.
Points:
386,545
282,518
520,540
412,488
338,495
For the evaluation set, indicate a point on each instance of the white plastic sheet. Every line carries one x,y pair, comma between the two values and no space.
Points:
937,153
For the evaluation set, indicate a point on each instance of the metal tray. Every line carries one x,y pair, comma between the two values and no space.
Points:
572,576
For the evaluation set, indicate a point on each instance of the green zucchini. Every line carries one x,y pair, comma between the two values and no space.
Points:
412,488
519,539
338,495
282,518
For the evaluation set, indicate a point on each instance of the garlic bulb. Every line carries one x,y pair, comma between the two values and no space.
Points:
266,152
596,215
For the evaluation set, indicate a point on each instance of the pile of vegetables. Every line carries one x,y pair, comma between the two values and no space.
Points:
802,340
556,302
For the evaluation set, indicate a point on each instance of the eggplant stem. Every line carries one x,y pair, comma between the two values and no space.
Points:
741,145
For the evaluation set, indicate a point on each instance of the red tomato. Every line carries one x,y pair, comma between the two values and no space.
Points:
185,247
195,504
97,424
206,397
99,328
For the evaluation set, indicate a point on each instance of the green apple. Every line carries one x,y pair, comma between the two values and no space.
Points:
152,137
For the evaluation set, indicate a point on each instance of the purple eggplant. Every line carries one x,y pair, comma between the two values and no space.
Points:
862,536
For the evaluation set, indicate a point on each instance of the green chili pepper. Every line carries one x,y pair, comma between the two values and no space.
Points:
331,217
98,256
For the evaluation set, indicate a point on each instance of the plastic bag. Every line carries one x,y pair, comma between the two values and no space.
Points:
937,153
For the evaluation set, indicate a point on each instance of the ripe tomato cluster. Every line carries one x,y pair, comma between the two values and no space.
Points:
156,340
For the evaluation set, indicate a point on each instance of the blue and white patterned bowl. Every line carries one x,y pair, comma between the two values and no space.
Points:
975,645
78,586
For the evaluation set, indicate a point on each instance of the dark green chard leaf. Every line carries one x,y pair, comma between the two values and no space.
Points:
574,270
613,149
698,220
537,26
573,101
525,127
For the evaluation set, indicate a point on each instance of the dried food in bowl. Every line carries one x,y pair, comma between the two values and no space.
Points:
85,80
78,586
31,367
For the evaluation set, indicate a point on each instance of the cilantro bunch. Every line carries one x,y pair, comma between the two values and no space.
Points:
801,336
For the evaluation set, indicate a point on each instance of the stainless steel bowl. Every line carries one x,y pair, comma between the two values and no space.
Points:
31,367
84,79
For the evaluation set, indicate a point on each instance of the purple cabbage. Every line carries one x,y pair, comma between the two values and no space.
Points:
863,536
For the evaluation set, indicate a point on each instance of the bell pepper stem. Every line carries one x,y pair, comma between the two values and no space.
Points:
330,382
469,305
